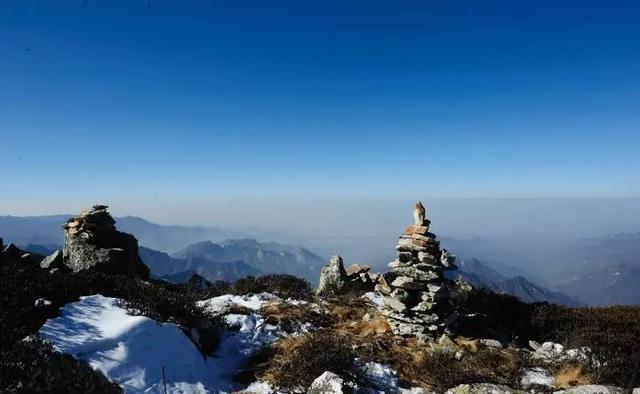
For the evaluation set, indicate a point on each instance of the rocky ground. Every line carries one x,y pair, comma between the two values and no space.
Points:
89,319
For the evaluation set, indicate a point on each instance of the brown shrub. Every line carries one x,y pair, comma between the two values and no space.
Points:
291,317
610,332
571,375
374,326
440,369
282,285
296,361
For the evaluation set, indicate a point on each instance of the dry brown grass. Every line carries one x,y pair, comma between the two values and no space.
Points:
470,345
571,375
291,317
293,363
373,326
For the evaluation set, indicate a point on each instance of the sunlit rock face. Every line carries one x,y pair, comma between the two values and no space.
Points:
92,242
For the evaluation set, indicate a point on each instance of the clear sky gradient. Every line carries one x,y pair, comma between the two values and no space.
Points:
194,99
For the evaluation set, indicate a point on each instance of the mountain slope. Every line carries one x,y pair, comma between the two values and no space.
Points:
482,275
45,230
178,270
616,284
267,257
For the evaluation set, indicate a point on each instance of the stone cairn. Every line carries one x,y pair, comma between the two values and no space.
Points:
92,242
414,289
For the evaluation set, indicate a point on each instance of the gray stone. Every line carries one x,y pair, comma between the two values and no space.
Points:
419,319
407,283
357,269
405,256
594,389
394,304
55,260
91,242
400,294
397,263
327,383
424,306
483,388
333,277
417,274
491,343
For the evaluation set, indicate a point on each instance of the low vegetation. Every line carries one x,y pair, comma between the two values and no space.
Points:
354,328
283,285
19,318
611,334
347,327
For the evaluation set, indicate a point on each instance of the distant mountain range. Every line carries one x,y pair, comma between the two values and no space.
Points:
482,275
179,270
615,284
266,257
45,230
598,271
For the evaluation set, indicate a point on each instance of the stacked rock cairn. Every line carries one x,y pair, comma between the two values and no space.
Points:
91,241
415,287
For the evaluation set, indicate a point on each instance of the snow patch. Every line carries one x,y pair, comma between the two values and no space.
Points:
130,350
537,376
374,297
221,304
378,376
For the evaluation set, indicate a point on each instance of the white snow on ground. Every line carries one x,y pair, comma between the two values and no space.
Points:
131,350
220,305
374,297
378,376
536,376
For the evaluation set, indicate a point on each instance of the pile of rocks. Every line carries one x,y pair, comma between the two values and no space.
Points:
91,241
335,279
415,288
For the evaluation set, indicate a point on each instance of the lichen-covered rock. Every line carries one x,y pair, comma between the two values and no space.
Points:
55,260
333,277
327,383
483,388
91,242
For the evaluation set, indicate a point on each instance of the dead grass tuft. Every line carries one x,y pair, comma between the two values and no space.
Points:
571,375
293,363
292,317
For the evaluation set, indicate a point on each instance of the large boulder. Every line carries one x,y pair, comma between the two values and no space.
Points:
55,260
91,242
333,277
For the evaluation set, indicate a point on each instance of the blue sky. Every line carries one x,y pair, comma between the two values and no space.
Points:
182,100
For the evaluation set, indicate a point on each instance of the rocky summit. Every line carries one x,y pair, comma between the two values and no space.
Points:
414,288
334,278
92,242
